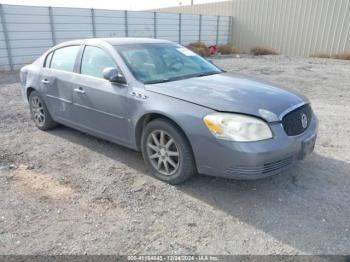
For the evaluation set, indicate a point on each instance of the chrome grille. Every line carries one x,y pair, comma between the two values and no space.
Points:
293,121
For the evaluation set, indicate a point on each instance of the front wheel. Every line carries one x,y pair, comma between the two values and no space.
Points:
167,152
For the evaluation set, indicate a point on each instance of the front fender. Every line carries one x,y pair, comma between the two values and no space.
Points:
188,116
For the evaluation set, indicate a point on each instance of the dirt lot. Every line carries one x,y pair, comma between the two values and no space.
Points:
64,192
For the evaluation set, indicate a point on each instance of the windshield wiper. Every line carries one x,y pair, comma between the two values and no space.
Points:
180,77
157,81
168,79
207,74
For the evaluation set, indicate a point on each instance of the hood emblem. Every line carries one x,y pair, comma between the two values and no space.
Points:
304,120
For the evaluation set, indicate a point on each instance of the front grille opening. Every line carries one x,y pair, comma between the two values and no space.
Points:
294,122
278,164
265,169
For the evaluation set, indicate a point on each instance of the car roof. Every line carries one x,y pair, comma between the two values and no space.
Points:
114,41
133,40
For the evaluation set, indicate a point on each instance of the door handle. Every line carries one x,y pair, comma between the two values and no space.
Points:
79,90
45,81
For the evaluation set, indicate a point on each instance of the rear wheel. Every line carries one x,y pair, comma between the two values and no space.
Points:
167,152
39,112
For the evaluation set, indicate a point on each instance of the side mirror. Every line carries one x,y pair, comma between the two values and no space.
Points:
113,75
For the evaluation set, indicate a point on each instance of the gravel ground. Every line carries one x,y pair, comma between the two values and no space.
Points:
64,192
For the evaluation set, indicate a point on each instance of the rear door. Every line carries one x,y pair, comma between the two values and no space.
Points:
99,105
58,80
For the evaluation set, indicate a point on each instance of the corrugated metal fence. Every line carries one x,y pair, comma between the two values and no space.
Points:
214,8
294,27
28,31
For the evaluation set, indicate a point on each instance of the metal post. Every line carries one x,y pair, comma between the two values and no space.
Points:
93,22
217,29
6,37
52,27
155,24
200,28
126,23
179,28
230,31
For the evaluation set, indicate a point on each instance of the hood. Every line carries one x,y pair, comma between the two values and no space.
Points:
229,92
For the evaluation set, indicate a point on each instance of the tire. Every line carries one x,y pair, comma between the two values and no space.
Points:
39,112
157,157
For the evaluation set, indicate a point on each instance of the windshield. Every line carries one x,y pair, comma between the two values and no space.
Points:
156,63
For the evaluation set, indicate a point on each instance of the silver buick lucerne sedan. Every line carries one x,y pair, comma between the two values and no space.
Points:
186,115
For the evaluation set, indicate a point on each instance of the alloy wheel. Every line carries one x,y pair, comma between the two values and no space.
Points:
163,152
37,110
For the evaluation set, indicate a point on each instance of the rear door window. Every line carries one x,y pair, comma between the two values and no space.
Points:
64,58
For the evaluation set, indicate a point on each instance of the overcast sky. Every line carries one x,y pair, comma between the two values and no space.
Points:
108,4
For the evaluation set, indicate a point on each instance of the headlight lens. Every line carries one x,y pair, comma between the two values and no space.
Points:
236,127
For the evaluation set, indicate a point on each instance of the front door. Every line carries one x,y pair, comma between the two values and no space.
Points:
99,105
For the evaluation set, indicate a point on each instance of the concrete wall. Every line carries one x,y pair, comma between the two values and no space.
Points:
294,27
216,8
27,31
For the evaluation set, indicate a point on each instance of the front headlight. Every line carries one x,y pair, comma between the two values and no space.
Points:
236,127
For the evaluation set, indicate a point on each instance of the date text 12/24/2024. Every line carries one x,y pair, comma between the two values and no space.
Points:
172,258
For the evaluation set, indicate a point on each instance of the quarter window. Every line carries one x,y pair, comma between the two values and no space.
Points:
94,61
64,58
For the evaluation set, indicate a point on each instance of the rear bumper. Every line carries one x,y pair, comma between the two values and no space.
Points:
255,160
